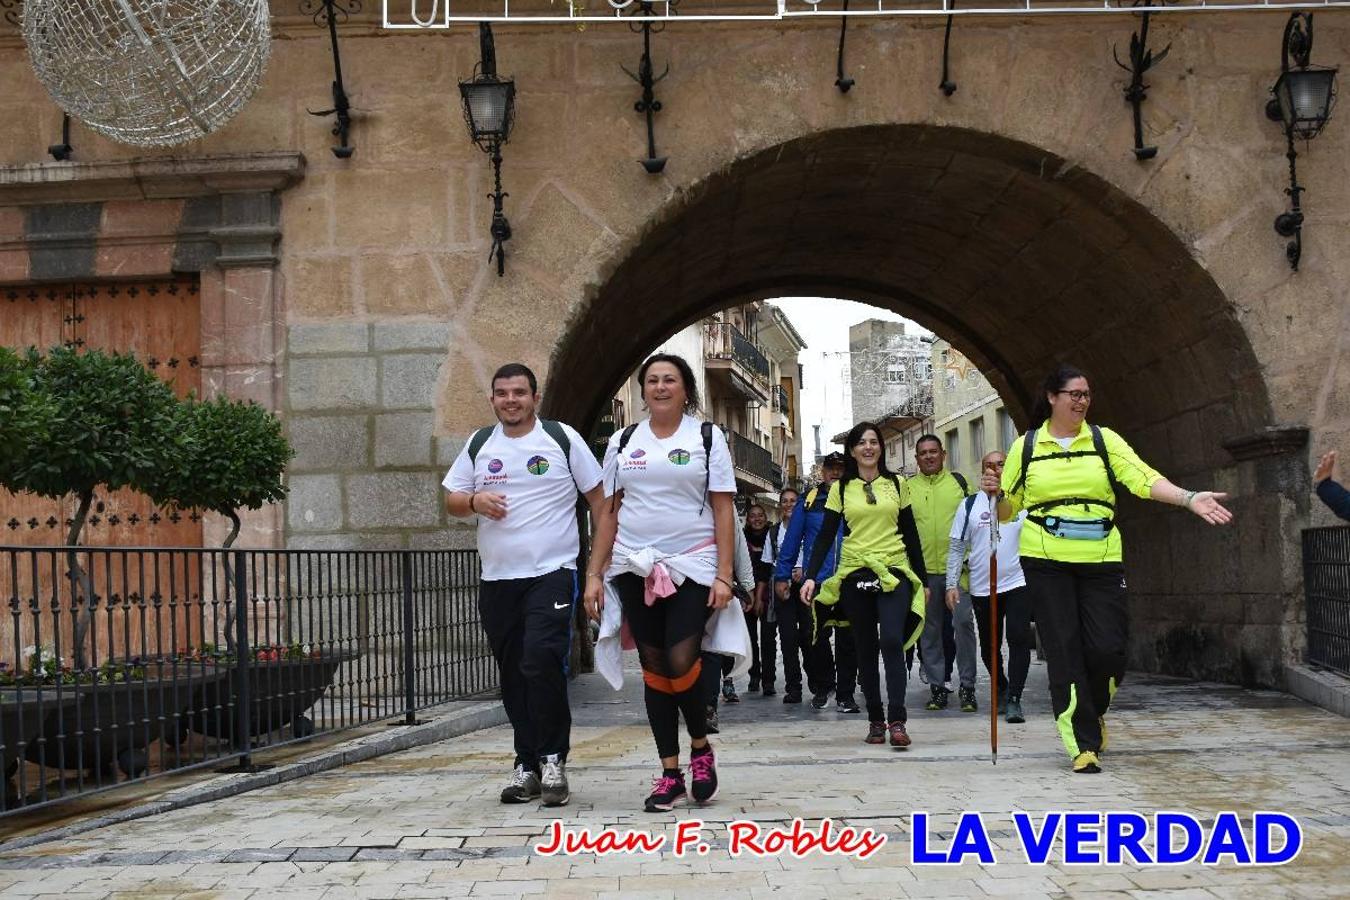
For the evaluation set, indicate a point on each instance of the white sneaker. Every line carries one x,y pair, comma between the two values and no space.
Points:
522,788
554,781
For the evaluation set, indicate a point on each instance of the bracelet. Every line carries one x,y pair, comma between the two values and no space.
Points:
472,494
595,574
723,580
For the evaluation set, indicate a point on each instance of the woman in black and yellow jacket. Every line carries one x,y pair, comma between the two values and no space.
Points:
1067,475
880,580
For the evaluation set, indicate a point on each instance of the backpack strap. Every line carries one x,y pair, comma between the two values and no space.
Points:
559,435
707,431
1028,447
1099,443
624,437
477,441
970,505
961,480
773,539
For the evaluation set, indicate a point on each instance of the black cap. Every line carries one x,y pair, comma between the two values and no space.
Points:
833,459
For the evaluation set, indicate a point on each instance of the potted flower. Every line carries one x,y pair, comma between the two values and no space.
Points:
101,718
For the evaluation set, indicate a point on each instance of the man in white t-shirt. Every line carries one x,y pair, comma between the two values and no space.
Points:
970,531
521,478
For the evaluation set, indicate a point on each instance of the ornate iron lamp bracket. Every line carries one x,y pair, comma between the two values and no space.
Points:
947,85
61,152
842,81
327,14
1141,60
1298,119
647,78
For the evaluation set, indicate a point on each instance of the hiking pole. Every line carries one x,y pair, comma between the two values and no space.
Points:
994,645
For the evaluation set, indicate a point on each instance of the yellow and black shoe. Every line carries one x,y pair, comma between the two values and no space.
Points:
1087,763
1101,723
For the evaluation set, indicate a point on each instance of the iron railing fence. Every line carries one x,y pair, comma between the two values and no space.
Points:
750,457
1326,586
120,664
722,340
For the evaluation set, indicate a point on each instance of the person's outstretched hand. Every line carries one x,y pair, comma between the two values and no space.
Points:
1326,467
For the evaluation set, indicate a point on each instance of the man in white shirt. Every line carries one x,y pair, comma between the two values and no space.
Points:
792,617
970,532
521,478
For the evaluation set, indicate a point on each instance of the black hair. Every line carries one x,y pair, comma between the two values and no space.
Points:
853,439
1054,382
786,489
929,437
511,370
686,375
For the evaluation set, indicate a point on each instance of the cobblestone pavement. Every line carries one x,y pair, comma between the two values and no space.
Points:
427,823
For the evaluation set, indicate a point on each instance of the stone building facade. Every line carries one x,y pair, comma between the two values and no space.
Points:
355,296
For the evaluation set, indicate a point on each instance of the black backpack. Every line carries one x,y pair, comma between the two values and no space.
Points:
554,430
1098,449
706,429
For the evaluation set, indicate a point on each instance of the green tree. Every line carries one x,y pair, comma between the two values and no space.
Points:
99,419
18,413
221,456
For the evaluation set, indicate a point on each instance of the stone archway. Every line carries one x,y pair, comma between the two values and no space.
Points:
1020,258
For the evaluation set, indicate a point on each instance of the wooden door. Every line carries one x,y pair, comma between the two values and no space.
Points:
141,594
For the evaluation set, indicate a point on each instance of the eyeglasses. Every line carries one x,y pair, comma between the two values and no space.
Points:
867,490
1078,396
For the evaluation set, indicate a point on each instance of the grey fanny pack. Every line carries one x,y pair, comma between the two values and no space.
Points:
1074,529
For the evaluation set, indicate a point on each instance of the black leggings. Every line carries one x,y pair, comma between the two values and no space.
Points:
669,637
891,614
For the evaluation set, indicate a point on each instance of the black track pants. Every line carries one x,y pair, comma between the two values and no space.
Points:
528,622
1082,617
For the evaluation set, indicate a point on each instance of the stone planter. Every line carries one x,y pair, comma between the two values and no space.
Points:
280,693
22,715
106,727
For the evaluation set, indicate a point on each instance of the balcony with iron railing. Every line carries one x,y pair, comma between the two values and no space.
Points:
754,464
732,360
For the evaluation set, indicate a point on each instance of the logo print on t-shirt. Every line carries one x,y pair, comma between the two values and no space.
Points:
494,466
637,454
536,465
679,457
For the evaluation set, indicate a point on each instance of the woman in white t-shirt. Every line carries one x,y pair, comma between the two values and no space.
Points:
672,484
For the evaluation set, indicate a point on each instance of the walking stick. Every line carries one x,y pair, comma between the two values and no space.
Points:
994,643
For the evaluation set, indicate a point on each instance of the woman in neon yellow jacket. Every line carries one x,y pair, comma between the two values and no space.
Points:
1067,475
880,580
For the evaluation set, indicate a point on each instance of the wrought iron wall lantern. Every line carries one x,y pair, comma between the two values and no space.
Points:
326,14
490,111
1141,60
1302,103
646,77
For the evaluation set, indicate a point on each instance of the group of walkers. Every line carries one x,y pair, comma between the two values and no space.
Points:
872,562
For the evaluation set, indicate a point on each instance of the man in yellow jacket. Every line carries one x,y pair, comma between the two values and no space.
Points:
935,494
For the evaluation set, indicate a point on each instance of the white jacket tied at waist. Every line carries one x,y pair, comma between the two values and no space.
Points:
726,631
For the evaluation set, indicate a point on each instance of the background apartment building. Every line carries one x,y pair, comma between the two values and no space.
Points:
745,362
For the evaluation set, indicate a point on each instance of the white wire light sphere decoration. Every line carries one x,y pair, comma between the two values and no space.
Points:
152,73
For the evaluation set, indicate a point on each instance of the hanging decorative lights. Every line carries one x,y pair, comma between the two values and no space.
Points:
152,73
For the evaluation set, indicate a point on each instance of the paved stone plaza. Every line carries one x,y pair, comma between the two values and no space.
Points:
426,822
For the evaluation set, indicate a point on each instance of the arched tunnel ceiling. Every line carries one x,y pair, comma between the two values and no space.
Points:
1016,256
